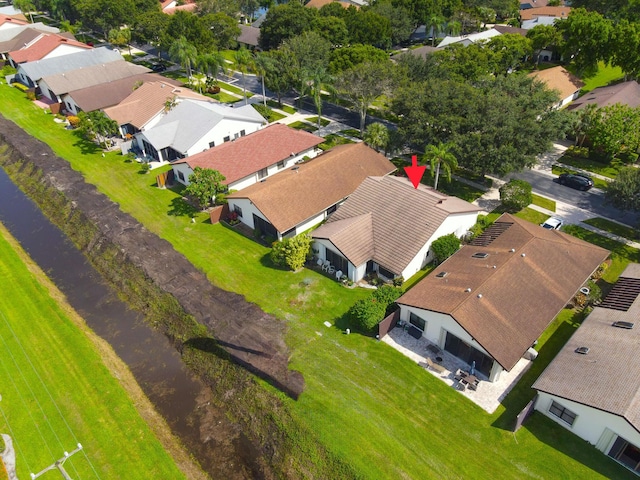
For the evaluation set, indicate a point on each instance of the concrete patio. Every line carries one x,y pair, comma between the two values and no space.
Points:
488,395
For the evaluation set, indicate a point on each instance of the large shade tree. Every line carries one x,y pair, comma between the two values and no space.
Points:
624,191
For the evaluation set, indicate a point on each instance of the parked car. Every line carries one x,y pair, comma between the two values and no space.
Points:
158,67
579,182
552,223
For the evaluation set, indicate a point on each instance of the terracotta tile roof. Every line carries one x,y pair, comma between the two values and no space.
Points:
625,93
559,79
530,13
399,228
531,273
146,102
526,4
296,194
6,20
44,46
111,93
189,7
94,75
606,377
321,3
258,150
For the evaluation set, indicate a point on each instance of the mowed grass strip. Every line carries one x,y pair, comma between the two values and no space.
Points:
56,390
544,202
371,406
614,227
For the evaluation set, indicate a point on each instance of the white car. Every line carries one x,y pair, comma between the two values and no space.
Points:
552,223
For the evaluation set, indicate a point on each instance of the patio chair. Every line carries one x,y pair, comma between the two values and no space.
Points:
331,270
326,265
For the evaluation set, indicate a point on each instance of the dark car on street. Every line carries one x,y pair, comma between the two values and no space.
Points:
579,182
158,67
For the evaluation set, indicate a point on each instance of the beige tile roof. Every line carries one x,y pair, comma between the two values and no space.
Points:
606,378
530,13
404,218
321,3
531,273
558,78
258,150
111,93
94,75
147,101
294,195
352,236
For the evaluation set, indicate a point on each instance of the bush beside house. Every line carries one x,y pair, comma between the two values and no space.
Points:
366,313
291,252
444,247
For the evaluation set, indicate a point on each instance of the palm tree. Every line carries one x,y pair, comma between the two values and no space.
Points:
436,25
244,60
317,81
185,53
377,136
440,156
454,27
210,64
263,64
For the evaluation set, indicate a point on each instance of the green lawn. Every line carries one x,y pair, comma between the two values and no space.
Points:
236,88
609,170
544,202
615,228
606,75
323,121
57,391
224,97
372,407
284,107
300,125
531,215
332,140
597,182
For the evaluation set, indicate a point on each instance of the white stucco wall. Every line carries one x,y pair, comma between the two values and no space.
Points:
435,331
70,105
590,424
186,171
248,209
226,127
61,50
44,89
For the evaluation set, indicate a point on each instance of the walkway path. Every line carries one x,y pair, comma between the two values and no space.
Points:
9,457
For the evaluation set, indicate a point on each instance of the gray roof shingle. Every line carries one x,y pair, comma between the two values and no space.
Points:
65,63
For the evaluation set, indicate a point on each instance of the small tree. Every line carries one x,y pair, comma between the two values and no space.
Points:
624,191
204,185
444,247
376,135
97,126
515,195
366,313
291,252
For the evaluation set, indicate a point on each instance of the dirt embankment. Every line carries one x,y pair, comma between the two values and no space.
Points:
158,280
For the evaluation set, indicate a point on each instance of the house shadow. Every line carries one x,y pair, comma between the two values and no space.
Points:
522,393
560,439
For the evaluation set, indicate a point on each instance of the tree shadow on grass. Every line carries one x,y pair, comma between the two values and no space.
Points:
87,147
180,208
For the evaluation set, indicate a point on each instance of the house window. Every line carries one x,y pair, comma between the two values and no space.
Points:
562,413
227,138
236,135
238,210
338,261
626,453
280,164
212,144
416,321
332,209
242,133
262,173
181,176
386,273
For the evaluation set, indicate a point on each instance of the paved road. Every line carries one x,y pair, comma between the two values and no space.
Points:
593,200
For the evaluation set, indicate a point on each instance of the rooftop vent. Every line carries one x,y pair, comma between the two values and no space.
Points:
512,250
468,290
582,350
479,295
480,255
442,274
627,325
523,255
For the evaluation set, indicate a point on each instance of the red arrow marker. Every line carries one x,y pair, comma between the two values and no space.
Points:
415,171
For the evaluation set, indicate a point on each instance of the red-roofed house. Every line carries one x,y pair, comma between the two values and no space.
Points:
46,46
7,22
247,160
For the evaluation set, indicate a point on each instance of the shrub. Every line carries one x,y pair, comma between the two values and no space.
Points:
21,87
515,195
266,112
31,94
291,252
444,247
386,295
73,121
398,281
480,226
233,219
577,152
366,313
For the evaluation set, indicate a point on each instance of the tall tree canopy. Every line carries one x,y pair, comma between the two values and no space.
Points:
615,129
283,22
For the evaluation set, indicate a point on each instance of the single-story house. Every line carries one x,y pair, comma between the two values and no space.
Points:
46,46
490,301
13,12
625,93
321,3
591,388
387,226
534,22
561,80
421,52
55,86
560,12
301,197
253,158
467,40
31,72
104,95
8,22
526,4
143,107
193,126
249,36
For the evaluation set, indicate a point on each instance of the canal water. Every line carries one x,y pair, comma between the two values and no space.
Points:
176,394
